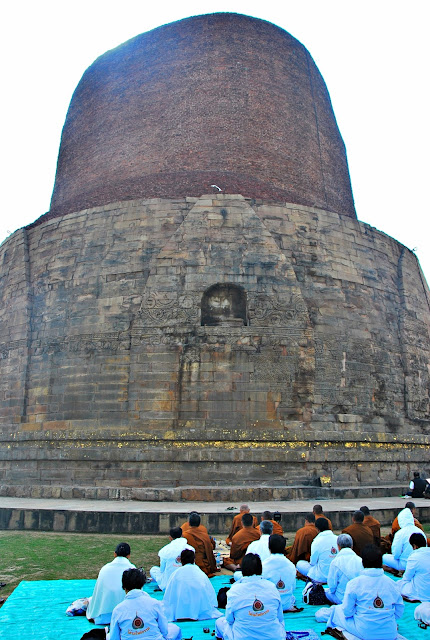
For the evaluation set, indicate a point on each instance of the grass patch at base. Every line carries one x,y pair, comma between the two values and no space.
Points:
31,555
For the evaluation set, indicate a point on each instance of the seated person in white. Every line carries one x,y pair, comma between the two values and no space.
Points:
261,547
170,558
108,591
344,567
189,594
281,571
415,584
401,549
372,602
140,614
254,608
323,551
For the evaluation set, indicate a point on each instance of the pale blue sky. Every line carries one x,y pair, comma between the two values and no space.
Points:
373,55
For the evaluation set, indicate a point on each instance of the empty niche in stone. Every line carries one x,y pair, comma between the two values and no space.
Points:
224,305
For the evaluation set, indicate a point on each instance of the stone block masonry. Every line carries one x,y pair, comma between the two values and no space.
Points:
312,359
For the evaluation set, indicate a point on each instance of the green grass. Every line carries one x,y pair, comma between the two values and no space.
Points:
30,555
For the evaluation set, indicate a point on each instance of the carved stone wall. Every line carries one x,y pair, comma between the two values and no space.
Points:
109,378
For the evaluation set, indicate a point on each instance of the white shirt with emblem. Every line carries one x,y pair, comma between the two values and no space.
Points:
323,551
170,560
254,610
138,616
346,566
282,572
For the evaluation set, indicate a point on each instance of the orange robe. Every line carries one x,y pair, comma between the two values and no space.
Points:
277,529
202,543
301,549
375,526
240,543
360,534
186,527
236,526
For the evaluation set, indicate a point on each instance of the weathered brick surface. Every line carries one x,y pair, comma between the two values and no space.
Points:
109,380
217,99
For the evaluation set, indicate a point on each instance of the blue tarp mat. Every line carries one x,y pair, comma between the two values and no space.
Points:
36,610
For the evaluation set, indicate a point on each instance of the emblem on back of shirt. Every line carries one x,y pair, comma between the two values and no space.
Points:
378,603
137,622
178,560
258,605
333,551
280,584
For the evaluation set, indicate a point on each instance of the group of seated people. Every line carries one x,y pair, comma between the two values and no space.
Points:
366,602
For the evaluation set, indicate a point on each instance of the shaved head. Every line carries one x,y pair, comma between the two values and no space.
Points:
244,508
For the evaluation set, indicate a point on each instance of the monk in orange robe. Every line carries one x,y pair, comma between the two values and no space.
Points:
237,522
267,515
202,544
186,525
360,534
240,542
373,524
301,548
318,513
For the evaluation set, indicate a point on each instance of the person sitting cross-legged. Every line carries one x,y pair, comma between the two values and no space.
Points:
301,547
373,524
189,594
140,614
281,571
254,608
372,603
260,546
415,584
170,558
237,523
359,532
323,551
198,538
277,528
241,541
401,549
108,591
346,566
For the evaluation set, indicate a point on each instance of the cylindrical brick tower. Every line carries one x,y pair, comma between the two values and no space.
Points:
201,307
221,98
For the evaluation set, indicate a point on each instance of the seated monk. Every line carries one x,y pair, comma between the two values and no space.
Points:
360,534
373,524
301,548
186,525
318,513
202,543
277,529
240,542
236,525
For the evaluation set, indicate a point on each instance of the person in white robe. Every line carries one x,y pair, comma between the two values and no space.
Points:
189,594
372,603
139,614
346,566
415,584
323,551
170,558
254,608
401,549
261,546
281,571
108,591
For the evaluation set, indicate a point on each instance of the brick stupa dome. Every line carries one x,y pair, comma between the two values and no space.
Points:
220,99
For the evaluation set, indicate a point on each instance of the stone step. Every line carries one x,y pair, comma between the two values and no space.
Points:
237,494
